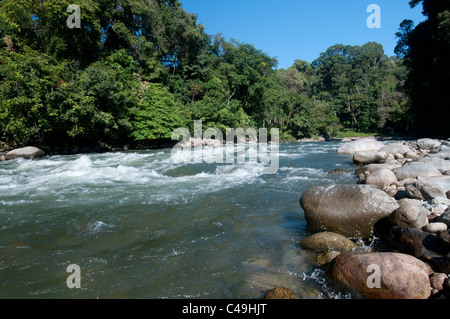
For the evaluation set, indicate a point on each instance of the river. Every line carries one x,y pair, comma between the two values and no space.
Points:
140,226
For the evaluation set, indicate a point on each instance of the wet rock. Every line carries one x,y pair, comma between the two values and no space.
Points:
400,276
381,178
328,241
2,158
212,143
361,145
326,258
29,152
336,172
281,293
410,215
198,142
369,157
349,210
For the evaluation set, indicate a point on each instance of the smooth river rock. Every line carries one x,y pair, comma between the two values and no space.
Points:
381,178
361,145
328,241
29,152
400,276
421,170
369,157
410,215
281,293
349,210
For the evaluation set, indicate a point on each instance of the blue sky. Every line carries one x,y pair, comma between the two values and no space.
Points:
302,29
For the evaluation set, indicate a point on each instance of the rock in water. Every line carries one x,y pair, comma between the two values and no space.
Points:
349,210
325,258
361,145
281,293
381,275
29,152
327,241
427,143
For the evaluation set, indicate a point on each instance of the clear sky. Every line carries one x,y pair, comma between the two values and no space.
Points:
302,29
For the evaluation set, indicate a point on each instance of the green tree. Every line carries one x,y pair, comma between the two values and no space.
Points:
427,50
157,115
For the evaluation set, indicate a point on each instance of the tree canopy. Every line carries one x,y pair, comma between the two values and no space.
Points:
426,50
136,70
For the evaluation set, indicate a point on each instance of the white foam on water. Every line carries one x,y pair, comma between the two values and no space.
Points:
99,226
16,202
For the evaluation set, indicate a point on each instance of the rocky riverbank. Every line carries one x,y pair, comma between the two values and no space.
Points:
387,237
400,210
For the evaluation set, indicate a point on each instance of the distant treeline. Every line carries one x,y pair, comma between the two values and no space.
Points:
136,70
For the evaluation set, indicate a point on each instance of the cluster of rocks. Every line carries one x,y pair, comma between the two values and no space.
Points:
394,223
198,142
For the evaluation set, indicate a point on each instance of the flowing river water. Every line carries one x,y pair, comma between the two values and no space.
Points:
140,226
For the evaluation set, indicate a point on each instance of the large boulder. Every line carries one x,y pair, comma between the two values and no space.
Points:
328,241
349,210
381,275
396,148
421,170
369,157
29,152
361,145
381,178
